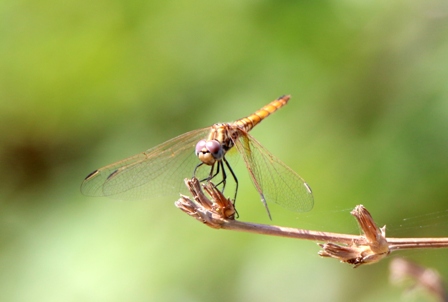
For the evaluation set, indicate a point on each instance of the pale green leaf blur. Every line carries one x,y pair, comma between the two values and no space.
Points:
87,83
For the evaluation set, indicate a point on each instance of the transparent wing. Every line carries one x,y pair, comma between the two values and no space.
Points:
274,180
156,172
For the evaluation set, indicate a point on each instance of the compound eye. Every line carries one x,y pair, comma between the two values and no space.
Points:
214,147
200,146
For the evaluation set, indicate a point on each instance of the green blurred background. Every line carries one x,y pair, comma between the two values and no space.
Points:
84,84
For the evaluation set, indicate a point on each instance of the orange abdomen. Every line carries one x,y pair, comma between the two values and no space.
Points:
247,123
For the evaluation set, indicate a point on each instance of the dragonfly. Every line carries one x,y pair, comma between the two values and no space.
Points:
204,153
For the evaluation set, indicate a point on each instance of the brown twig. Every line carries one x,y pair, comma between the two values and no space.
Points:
368,248
424,278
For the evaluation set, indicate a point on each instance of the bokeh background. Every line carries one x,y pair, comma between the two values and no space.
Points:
87,83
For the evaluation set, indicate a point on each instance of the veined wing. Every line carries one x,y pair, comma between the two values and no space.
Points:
274,180
158,171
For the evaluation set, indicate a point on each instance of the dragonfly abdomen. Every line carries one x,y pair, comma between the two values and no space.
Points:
247,123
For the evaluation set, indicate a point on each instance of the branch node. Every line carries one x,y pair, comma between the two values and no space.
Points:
213,213
373,250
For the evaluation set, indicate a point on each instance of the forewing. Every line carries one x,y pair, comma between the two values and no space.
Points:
274,180
158,171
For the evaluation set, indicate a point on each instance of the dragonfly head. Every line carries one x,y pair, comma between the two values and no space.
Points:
209,151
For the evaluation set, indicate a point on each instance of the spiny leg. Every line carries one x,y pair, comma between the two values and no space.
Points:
234,177
210,175
223,181
236,185
196,168
224,176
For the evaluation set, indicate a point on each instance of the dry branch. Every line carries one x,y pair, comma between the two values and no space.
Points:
370,247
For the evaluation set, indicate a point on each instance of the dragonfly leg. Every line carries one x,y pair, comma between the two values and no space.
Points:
196,168
234,177
223,181
236,185
224,176
210,175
